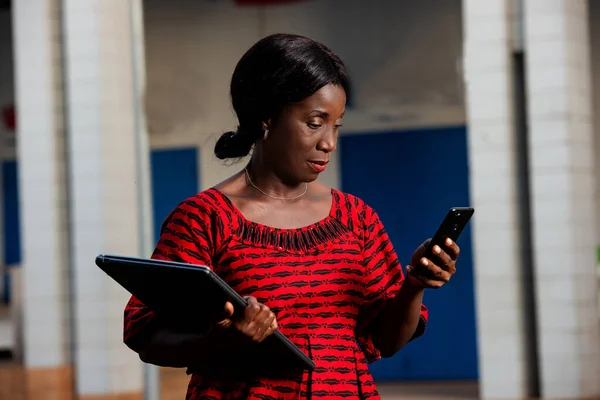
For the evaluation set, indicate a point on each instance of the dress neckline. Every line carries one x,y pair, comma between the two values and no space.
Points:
297,240
313,225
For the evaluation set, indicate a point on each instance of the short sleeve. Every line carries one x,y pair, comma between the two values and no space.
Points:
186,236
382,279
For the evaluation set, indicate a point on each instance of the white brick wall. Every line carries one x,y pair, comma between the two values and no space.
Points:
503,364
563,197
594,21
41,182
104,195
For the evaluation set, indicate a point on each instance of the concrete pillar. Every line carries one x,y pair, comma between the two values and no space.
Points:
594,21
104,196
42,192
41,150
504,366
563,197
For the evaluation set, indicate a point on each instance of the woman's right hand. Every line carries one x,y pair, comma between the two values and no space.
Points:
257,323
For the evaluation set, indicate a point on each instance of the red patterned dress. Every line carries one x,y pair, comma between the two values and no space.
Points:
325,282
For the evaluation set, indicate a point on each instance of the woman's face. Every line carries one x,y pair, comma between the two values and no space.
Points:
301,140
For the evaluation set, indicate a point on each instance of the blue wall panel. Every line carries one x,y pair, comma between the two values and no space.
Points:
411,178
174,178
12,231
12,228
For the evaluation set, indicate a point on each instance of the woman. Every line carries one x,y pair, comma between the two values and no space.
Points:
313,262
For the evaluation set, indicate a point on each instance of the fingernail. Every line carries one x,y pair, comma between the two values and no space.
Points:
436,249
424,262
408,268
449,242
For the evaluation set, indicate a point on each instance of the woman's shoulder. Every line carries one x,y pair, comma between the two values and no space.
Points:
207,203
352,210
202,217
350,202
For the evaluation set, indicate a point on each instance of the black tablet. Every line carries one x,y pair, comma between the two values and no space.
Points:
189,296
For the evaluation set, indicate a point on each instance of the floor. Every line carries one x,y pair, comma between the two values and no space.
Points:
17,384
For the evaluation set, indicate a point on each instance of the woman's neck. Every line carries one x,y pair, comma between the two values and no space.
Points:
267,180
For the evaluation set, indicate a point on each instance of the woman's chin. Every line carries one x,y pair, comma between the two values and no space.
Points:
311,178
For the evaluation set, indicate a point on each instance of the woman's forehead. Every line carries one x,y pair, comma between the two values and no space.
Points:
330,100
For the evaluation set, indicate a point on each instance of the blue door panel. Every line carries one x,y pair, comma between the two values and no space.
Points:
412,178
174,178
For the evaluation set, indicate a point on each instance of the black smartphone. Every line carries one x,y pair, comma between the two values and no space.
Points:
451,227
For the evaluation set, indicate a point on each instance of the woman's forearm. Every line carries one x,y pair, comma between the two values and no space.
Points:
398,321
168,348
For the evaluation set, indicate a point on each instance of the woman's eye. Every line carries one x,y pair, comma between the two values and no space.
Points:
313,126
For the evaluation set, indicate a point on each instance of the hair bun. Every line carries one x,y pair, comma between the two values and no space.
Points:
234,144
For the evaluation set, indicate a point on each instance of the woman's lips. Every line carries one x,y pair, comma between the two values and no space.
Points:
318,166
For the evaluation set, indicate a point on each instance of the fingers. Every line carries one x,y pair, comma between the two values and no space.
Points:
438,267
446,254
228,310
225,317
258,321
451,248
430,274
433,271
441,258
271,328
252,309
262,321
432,277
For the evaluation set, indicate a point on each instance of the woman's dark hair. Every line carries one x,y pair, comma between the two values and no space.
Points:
277,71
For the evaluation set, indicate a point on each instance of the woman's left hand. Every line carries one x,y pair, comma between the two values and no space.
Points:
433,272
